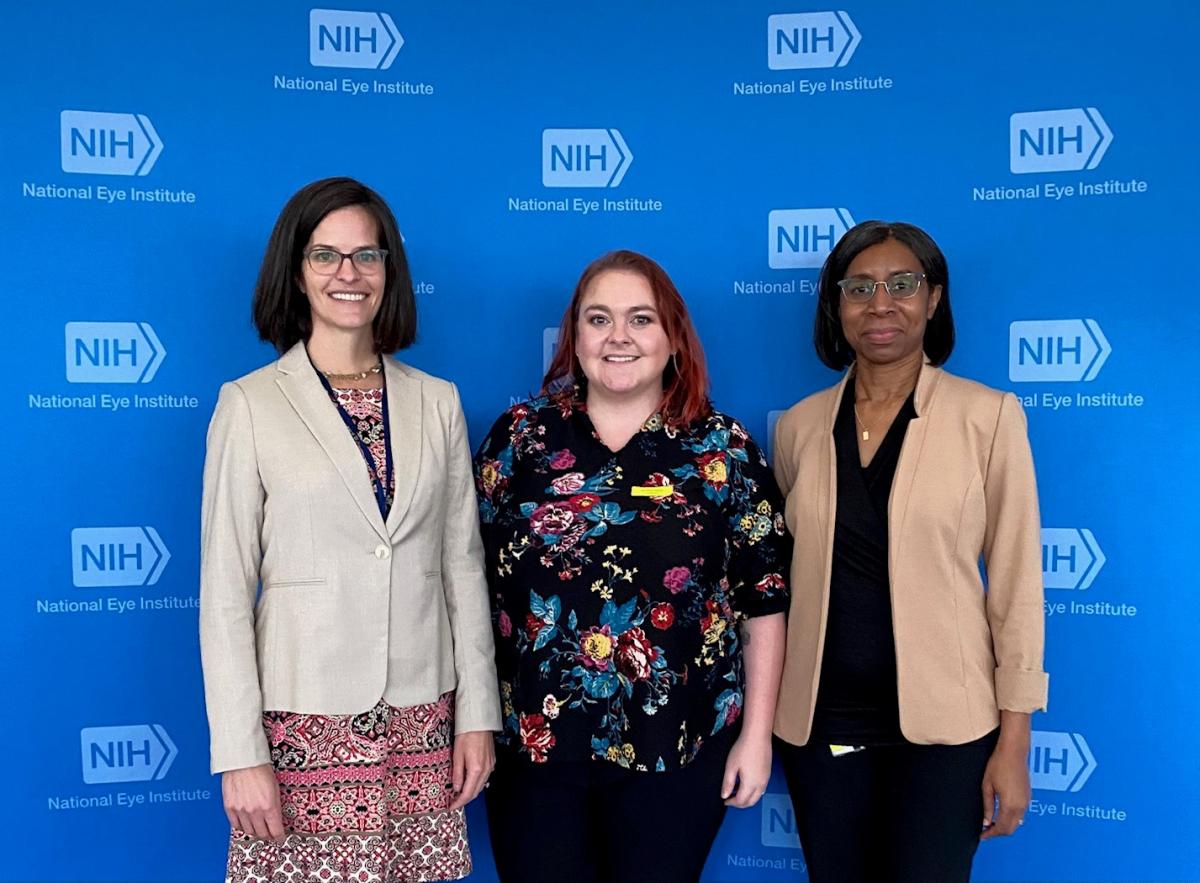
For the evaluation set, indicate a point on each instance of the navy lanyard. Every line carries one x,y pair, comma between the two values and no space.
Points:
377,486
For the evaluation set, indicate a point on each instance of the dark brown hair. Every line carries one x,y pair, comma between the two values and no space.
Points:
281,310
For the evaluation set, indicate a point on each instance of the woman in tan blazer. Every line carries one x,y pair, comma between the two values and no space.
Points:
904,712
344,627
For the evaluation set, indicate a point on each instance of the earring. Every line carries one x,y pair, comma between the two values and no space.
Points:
675,362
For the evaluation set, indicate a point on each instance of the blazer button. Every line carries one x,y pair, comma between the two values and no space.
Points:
382,552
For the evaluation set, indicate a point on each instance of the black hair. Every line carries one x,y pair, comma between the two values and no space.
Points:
832,347
281,310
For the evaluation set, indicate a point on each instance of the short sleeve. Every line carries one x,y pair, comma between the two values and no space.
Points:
759,543
493,467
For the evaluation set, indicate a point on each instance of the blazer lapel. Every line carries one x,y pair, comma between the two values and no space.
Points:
910,456
831,458
405,428
299,384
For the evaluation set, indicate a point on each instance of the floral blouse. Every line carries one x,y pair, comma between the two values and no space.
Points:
618,579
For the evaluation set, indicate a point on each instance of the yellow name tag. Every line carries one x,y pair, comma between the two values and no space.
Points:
665,491
839,750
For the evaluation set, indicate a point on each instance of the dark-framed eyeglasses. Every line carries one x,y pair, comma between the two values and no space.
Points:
327,261
860,289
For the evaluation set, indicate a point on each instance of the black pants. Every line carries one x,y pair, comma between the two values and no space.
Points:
891,814
594,822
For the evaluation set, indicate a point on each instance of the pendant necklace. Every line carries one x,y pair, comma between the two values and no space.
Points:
866,433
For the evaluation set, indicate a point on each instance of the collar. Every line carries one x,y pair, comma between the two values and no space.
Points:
294,360
574,397
927,382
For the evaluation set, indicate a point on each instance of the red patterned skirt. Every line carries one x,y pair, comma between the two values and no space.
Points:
364,798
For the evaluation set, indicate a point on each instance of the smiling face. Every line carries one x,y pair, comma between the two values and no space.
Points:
349,299
884,330
620,341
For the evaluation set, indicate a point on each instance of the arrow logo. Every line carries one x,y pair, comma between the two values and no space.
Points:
778,824
117,556
801,238
549,346
98,143
1057,140
1060,761
112,352
1056,350
1071,558
584,158
363,40
772,420
810,40
134,753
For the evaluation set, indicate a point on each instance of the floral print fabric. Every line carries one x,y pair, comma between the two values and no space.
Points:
364,409
618,580
365,798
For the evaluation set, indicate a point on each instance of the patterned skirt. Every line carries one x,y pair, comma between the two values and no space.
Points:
364,799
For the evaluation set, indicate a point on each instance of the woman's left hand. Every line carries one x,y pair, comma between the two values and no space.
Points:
748,769
1006,779
472,761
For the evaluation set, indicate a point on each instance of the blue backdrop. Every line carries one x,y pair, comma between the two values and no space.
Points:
147,150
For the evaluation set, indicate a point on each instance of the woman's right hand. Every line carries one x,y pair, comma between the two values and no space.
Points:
251,798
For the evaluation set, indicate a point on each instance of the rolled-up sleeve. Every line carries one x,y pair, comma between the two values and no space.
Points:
1012,556
477,696
230,553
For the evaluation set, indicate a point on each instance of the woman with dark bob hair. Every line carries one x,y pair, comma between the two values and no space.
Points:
352,698
636,557
904,715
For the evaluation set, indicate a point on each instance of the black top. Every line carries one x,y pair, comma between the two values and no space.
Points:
618,579
857,702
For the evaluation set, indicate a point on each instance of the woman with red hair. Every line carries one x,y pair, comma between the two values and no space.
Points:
636,554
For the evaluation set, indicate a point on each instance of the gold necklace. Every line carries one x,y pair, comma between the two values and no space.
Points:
354,375
866,433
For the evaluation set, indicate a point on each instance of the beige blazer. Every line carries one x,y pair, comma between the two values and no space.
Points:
351,608
964,488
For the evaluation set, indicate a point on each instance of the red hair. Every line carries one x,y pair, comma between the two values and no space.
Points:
685,380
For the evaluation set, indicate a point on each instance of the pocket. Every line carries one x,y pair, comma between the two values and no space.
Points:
290,583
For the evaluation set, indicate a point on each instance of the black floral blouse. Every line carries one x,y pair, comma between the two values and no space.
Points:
617,580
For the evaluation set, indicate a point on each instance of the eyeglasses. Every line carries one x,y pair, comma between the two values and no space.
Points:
859,290
327,261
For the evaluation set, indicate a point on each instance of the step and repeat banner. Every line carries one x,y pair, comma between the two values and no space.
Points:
148,148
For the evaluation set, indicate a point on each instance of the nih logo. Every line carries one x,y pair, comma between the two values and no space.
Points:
549,347
772,420
779,822
96,143
1056,350
1057,140
117,556
136,753
112,352
810,40
1060,761
584,158
364,40
1071,557
802,238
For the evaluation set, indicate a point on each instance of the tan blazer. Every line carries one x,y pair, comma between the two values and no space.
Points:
351,608
964,488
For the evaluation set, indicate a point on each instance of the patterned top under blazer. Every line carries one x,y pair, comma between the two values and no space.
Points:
353,607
